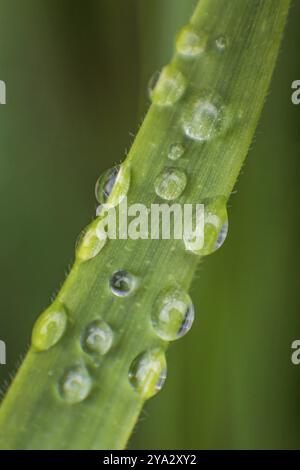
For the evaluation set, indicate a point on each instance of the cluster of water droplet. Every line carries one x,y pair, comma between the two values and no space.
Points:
75,383
173,311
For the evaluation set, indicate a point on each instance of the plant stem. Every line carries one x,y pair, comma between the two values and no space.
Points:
240,42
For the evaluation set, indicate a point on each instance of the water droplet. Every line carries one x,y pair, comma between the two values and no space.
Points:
148,372
75,384
176,151
189,43
215,227
90,242
221,43
49,327
113,185
122,283
97,338
173,314
203,117
170,183
168,88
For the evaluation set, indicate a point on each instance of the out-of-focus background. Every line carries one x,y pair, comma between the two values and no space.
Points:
76,76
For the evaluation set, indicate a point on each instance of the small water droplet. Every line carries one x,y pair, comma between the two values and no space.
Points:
113,185
97,338
176,151
167,88
90,242
148,372
173,314
189,43
170,183
203,117
49,327
215,227
75,384
221,43
122,283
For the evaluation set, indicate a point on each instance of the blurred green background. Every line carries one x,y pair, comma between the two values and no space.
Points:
76,76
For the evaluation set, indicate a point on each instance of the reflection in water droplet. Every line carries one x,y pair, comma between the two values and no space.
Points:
215,227
173,314
170,183
148,372
113,184
97,338
189,43
49,327
176,151
222,235
75,384
203,117
90,242
122,283
168,88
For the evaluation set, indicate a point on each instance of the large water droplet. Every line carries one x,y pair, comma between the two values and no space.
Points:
215,227
75,384
170,183
49,327
122,283
90,241
113,185
176,151
173,314
148,372
168,88
203,117
190,43
97,338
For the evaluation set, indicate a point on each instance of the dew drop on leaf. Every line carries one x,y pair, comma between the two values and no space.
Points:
97,338
170,183
203,117
49,327
176,151
122,283
167,88
75,384
113,185
90,241
215,228
190,43
173,313
148,372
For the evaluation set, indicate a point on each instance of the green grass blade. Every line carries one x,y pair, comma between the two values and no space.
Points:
226,76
